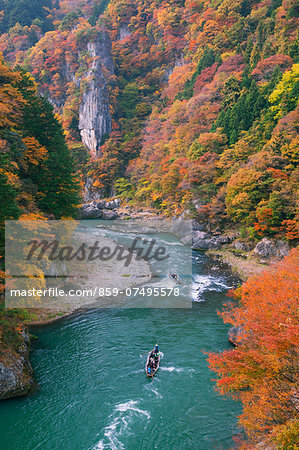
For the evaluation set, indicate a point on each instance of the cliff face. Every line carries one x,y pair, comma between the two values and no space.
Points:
74,69
94,113
15,369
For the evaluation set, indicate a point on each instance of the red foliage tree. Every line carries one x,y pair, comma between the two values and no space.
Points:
265,68
262,370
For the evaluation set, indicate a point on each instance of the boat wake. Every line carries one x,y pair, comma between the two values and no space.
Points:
120,422
150,387
176,369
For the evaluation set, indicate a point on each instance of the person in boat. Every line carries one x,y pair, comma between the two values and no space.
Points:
156,352
175,277
151,365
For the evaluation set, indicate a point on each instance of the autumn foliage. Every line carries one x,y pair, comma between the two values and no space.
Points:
203,99
262,371
204,106
36,173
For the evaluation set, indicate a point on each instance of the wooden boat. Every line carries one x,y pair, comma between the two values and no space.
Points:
174,277
151,369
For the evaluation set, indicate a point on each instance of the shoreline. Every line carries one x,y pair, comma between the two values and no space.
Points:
107,274
15,367
244,265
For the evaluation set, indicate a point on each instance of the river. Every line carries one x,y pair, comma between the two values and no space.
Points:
93,392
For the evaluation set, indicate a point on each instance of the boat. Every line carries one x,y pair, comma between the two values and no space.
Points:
174,277
152,364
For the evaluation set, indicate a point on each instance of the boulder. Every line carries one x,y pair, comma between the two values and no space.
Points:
222,240
205,244
95,209
109,214
200,235
268,248
204,241
101,204
91,213
198,226
235,335
113,204
187,240
181,228
239,245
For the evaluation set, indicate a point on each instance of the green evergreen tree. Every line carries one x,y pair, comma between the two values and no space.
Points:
240,112
248,50
8,194
25,12
255,56
97,10
55,180
207,60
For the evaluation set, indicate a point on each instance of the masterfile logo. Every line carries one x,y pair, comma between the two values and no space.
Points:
139,249
54,264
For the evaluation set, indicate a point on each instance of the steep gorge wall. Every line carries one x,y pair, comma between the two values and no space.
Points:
74,69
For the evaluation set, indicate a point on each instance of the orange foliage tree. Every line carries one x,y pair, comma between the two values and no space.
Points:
262,371
10,98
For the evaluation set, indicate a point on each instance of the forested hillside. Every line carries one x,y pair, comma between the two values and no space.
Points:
38,181
26,13
203,100
223,126
37,176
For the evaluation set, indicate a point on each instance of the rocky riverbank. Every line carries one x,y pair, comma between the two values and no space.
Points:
105,210
246,259
243,256
16,375
244,264
112,209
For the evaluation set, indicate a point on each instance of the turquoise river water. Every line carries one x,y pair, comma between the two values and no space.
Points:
93,392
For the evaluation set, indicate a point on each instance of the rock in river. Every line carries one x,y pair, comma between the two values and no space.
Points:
235,335
91,213
268,248
108,214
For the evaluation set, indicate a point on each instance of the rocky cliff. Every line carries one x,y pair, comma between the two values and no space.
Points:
94,113
15,369
73,68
